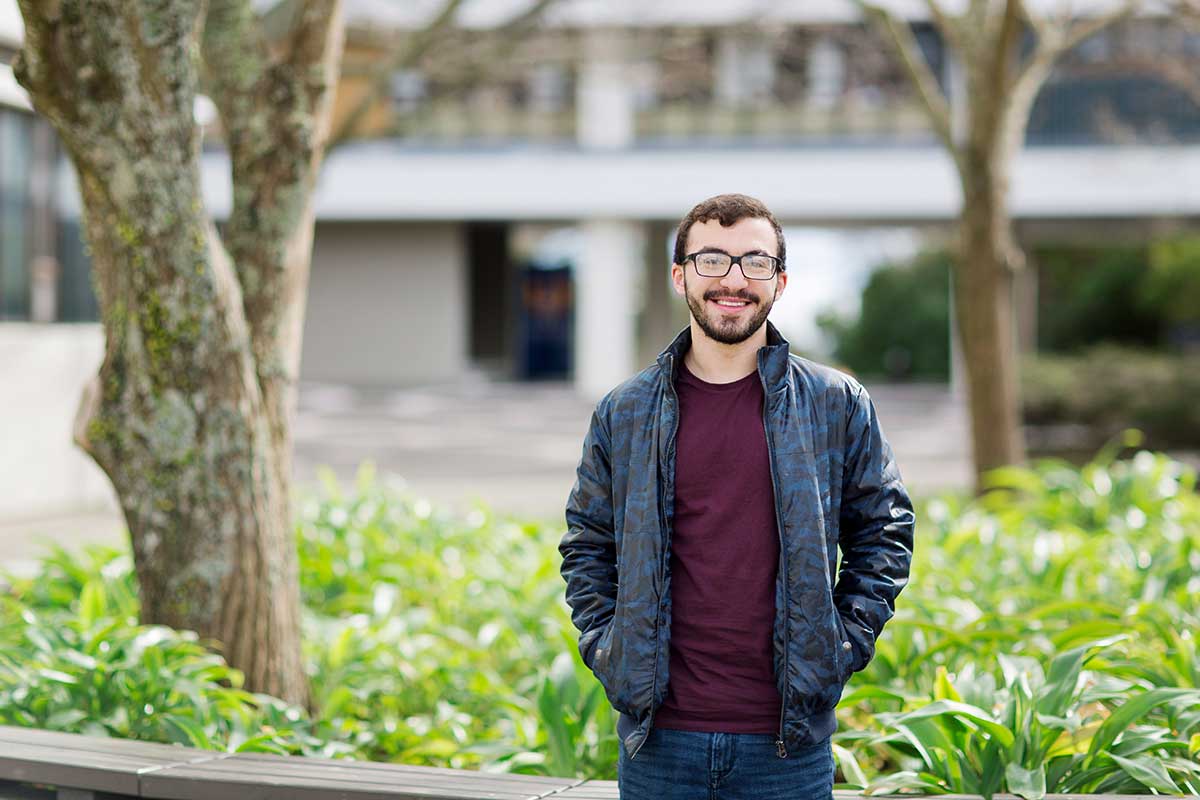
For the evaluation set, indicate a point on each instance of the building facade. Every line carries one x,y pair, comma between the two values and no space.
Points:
505,204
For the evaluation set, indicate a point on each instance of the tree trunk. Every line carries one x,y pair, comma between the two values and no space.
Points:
1002,80
190,414
983,298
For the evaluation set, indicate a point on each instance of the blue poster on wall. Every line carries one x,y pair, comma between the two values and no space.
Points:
545,323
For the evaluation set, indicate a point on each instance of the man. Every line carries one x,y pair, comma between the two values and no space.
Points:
714,490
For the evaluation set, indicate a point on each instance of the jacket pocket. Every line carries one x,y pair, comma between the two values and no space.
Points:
842,655
601,654
610,671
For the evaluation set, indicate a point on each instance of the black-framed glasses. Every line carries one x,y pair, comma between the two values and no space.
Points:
755,266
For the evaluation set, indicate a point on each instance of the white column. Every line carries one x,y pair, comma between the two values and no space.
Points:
744,72
604,101
608,274
826,81
608,294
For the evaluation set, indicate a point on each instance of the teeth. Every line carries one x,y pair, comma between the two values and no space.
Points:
730,303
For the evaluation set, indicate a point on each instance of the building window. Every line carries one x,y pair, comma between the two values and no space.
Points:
408,90
15,155
548,88
76,296
745,70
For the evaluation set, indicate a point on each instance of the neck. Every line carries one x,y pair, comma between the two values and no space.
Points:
714,362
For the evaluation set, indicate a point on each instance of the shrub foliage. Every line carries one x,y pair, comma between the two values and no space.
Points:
1046,643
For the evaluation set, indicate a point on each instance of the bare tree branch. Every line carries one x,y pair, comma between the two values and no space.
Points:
499,47
901,38
403,57
59,62
505,38
995,63
36,67
1183,75
275,103
950,27
1040,26
1054,37
235,60
1087,27
1024,90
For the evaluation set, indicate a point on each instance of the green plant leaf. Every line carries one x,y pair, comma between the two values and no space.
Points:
853,773
186,731
92,603
1147,771
949,708
1063,675
943,689
1131,711
1027,783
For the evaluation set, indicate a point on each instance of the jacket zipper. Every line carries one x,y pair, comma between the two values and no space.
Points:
662,575
780,748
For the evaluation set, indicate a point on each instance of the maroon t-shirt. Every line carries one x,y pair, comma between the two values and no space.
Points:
724,559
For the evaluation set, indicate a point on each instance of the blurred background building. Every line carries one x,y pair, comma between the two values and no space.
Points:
506,207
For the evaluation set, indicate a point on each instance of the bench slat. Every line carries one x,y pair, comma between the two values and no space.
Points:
270,762
10,736
591,790
199,783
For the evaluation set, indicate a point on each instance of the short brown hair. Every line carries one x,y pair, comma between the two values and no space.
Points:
728,209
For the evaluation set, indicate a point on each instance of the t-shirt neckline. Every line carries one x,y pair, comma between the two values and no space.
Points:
700,383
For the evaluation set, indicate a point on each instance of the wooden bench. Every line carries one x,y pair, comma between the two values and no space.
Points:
91,768
76,767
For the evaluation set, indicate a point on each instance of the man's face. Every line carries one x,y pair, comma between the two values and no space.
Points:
731,309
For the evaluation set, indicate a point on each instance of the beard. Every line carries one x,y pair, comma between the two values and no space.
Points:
727,329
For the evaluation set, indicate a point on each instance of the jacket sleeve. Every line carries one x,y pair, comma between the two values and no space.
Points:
876,531
588,549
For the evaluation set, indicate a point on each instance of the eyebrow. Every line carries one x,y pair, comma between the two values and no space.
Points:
755,252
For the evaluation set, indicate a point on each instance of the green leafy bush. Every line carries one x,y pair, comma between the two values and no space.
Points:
1093,294
430,639
1046,643
82,664
1172,282
903,329
1109,388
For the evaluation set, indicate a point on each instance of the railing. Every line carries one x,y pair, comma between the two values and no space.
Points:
455,124
1070,111
46,765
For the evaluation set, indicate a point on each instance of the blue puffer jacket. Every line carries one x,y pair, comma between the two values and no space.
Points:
836,484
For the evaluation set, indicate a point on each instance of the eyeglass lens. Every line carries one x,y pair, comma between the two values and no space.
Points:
716,265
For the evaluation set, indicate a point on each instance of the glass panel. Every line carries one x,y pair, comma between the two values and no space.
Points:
15,152
76,295
14,271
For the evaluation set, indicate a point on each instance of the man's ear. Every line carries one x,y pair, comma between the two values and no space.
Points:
781,282
677,280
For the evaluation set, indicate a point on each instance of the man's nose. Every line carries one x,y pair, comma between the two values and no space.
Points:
735,279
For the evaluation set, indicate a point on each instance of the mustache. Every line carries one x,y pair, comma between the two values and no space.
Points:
713,294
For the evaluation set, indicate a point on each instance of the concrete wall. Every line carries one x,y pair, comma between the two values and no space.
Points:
387,304
41,469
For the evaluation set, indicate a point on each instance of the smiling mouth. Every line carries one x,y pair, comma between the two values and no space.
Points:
729,304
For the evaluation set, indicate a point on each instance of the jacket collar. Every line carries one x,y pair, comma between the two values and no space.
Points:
772,358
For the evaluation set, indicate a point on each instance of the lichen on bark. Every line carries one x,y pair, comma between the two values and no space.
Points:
190,412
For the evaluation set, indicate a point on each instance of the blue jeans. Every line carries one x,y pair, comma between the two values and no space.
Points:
685,765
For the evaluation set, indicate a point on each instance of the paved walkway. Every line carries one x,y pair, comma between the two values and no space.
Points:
513,446
516,445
